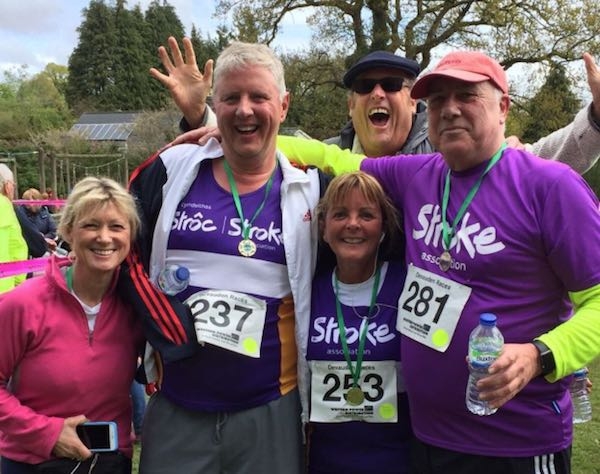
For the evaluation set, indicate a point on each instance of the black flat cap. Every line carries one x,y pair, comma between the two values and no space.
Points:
381,59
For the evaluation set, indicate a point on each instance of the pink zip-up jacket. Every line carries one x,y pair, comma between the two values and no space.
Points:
52,367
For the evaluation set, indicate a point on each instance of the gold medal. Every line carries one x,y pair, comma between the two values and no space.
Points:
445,261
355,396
247,248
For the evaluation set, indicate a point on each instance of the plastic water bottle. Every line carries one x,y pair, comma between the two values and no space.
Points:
582,406
173,279
485,345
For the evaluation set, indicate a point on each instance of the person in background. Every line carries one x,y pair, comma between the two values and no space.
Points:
138,400
41,218
36,243
359,409
239,216
12,244
69,330
481,235
49,194
384,118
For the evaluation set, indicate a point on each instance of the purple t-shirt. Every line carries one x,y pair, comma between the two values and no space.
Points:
204,236
528,237
375,446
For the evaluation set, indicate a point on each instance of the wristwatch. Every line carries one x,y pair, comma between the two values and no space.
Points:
546,357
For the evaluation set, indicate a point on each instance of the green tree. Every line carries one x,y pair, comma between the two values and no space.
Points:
43,106
513,31
91,65
551,108
132,56
58,75
30,105
108,70
207,47
161,22
314,94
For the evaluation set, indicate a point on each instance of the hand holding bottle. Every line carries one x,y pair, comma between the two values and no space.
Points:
513,370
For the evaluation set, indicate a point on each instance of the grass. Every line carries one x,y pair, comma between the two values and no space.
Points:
136,459
586,442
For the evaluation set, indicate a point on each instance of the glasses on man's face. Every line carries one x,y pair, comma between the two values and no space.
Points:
388,84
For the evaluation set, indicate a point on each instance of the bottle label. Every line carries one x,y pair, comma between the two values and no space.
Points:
228,319
331,381
430,307
482,358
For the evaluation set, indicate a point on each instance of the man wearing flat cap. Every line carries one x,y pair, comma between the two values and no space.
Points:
384,119
489,228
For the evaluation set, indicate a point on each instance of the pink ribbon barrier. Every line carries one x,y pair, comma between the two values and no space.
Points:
27,266
41,202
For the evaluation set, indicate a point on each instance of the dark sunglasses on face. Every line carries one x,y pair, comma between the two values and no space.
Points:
388,84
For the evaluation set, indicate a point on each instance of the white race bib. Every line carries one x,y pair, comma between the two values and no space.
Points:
429,308
228,319
331,380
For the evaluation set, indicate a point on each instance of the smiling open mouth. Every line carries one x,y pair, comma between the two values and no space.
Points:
379,116
103,252
247,129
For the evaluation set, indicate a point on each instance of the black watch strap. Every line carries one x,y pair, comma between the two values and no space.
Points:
546,357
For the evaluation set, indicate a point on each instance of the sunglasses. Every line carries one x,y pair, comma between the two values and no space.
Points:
388,84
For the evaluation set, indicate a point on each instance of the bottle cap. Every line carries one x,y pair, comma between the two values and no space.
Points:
487,319
182,273
581,372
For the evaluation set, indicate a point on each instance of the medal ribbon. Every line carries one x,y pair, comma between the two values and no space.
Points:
238,203
448,232
355,371
69,278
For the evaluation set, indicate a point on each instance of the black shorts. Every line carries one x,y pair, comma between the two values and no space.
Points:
428,459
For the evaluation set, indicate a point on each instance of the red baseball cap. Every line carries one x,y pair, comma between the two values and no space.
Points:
468,66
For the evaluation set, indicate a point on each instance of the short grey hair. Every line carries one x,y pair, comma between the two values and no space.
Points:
5,175
239,54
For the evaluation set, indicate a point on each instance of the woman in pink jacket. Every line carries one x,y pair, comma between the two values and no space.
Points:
69,345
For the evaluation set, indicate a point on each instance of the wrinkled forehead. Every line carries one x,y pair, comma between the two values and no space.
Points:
245,75
448,85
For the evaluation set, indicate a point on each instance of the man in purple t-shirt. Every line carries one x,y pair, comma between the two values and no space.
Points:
488,229
495,229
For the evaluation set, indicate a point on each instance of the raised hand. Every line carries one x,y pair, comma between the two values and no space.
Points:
189,87
593,78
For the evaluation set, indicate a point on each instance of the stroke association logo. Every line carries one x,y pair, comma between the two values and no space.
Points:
470,237
197,222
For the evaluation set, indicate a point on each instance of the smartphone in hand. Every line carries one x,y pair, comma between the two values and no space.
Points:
99,436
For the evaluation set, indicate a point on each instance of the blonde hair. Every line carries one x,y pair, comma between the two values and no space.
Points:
32,193
341,186
239,54
92,193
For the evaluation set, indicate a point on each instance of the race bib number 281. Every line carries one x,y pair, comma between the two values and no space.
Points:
429,308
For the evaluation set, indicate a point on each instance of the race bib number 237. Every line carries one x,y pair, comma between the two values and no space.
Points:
228,319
